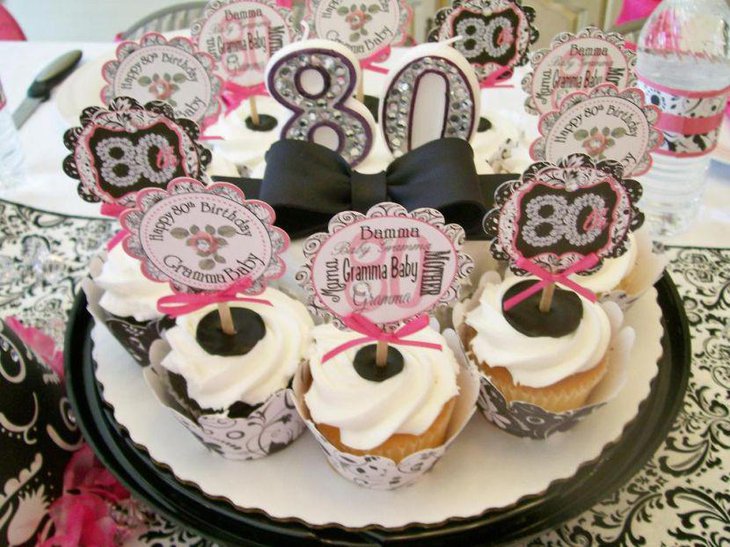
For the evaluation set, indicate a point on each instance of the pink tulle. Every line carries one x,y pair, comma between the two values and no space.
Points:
83,514
636,9
40,343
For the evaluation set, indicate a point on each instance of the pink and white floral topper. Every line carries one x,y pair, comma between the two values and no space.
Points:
174,71
576,62
204,239
606,123
367,27
387,265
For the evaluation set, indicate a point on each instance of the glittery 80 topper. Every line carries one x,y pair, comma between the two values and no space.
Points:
388,265
120,151
556,215
204,239
496,34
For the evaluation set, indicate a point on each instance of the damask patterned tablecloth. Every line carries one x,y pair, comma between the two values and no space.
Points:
680,497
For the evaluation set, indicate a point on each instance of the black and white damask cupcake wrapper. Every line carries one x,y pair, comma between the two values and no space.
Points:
273,426
531,421
378,472
135,336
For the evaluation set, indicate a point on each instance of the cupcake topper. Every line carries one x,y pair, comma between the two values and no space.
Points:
173,71
128,147
376,271
243,35
560,219
366,27
496,34
604,122
576,62
209,243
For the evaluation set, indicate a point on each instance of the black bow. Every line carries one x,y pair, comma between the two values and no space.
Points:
307,184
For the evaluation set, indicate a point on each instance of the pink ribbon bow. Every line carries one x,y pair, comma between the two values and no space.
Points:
548,277
372,333
178,304
114,210
233,94
491,80
379,56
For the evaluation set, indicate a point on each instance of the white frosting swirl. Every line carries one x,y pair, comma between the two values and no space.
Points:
612,270
215,381
128,293
536,361
366,412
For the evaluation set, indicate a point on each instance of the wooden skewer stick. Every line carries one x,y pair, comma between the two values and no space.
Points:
360,94
254,110
546,299
381,354
224,311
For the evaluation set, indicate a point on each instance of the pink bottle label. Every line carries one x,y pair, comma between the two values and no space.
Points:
690,120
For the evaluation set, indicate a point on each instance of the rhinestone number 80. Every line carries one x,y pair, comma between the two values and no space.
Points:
317,83
123,163
432,93
551,219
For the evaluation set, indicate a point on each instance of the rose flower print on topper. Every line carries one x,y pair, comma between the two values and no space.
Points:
127,147
218,251
495,35
569,351
378,275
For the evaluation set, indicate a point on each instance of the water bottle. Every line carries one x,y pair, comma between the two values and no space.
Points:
684,69
11,152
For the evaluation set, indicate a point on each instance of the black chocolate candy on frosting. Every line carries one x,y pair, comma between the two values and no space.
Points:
249,326
365,366
372,104
484,125
564,316
266,123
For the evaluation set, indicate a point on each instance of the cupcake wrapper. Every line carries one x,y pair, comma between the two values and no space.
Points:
271,427
649,268
380,473
528,420
136,337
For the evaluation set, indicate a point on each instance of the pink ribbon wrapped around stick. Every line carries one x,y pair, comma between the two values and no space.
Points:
179,304
548,277
372,333
233,94
114,210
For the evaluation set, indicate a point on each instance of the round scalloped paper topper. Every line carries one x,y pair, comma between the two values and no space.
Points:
387,265
204,239
606,124
575,62
556,215
367,27
496,34
120,151
242,35
173,71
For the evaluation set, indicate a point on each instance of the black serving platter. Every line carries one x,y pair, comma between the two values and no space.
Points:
221,522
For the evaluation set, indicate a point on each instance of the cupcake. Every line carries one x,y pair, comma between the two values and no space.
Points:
123,299
231,390
625,278
379,429
393,418
552,360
